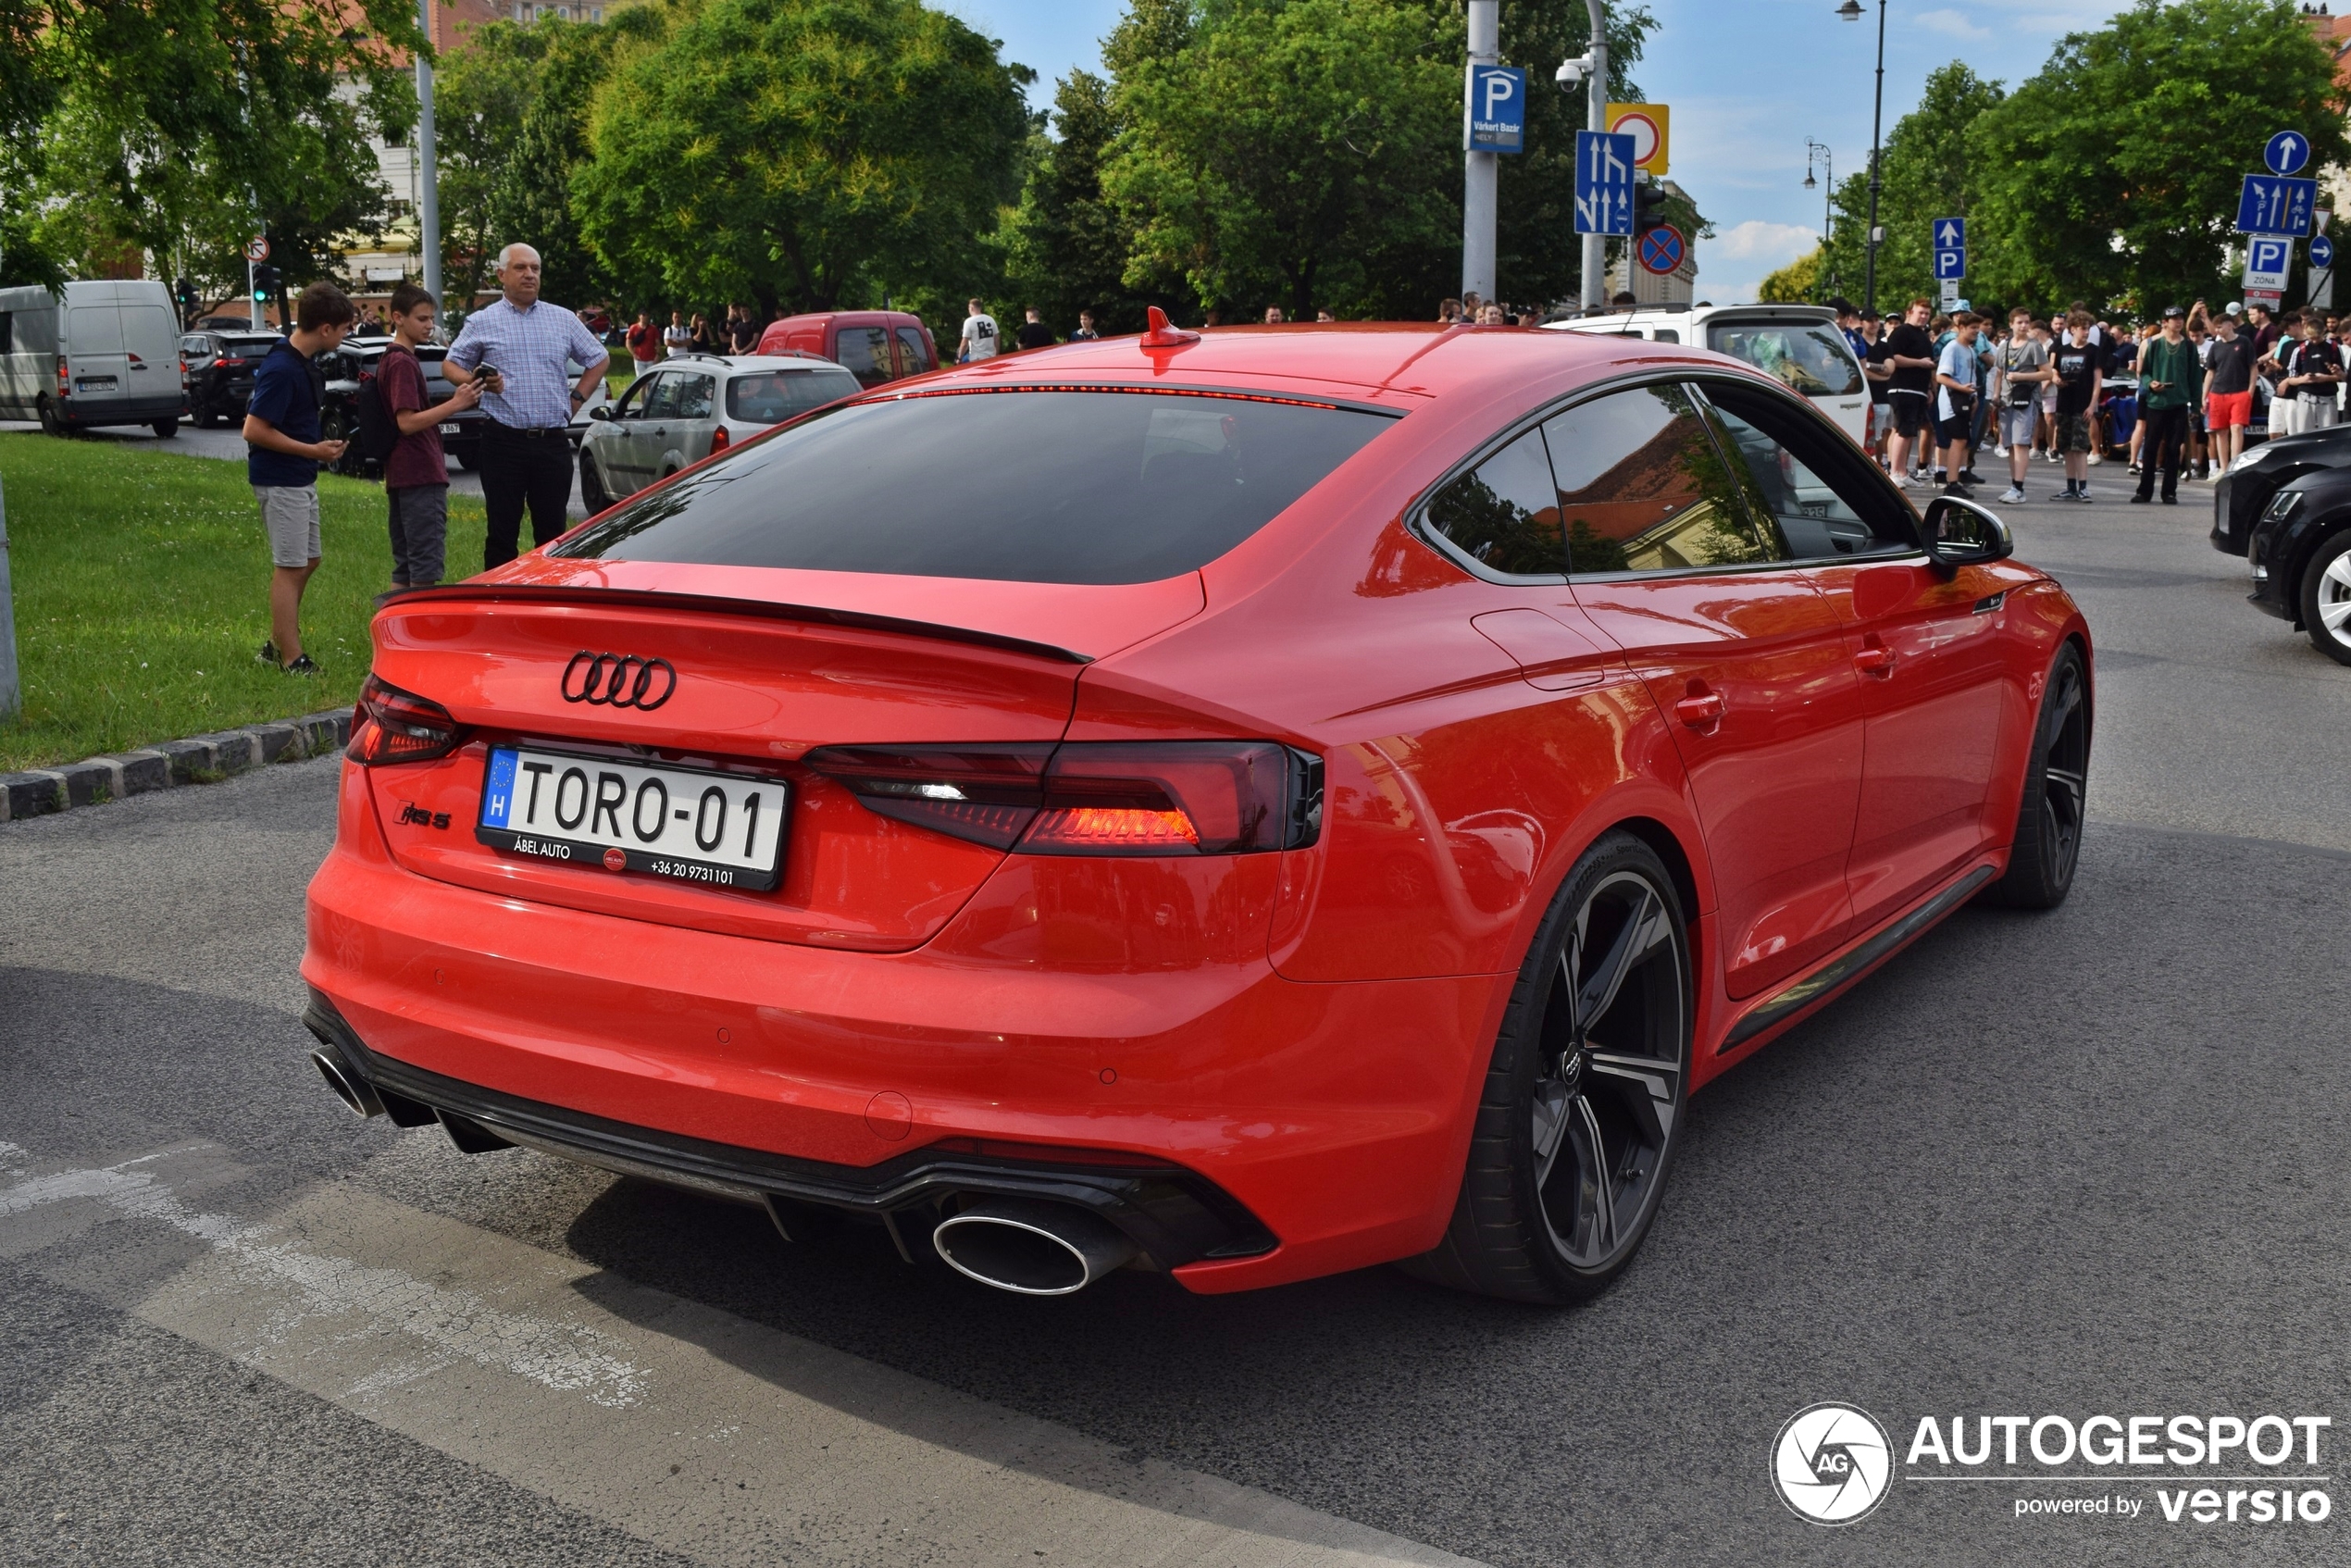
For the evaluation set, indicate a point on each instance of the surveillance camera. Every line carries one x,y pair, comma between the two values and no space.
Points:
1570,73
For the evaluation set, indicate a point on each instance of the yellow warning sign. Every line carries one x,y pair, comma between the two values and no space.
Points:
1648,125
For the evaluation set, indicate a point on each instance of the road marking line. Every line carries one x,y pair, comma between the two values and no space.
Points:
684,1425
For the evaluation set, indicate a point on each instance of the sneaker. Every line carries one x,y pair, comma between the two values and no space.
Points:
2140,498
268,655
1969,476
2000,452
1958,490
2170,500
2014,492
2095,459
302,665
1905,481
2134,467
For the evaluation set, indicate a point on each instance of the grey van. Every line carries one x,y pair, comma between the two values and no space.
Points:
105,352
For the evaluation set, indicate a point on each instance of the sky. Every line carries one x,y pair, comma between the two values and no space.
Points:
1748,82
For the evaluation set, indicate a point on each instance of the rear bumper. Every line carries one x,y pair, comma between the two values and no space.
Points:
85,414
1335,1116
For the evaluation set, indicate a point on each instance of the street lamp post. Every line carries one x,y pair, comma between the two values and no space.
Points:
1817,152
1851,11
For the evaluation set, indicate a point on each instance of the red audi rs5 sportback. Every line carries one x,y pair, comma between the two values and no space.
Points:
1246,806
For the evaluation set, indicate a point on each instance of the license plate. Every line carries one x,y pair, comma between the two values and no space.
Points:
96,383
450,429
692,824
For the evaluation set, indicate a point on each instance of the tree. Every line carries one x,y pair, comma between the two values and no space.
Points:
1284,150
2113,174
175,126
1930,172
1796,283
1066,245
814,152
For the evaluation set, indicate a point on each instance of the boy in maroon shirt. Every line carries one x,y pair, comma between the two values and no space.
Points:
415,475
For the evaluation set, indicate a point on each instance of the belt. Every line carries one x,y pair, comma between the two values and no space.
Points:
541,430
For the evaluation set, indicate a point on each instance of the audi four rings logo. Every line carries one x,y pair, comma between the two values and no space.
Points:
618,681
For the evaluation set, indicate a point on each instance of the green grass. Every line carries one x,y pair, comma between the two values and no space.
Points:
141,594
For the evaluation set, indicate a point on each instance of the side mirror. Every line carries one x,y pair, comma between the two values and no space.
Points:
1960,533
602,411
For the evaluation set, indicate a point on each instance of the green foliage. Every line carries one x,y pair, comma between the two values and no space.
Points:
172,126
1796,283
1930,172
1066,244
1283,154
2113,174
141,586
804,154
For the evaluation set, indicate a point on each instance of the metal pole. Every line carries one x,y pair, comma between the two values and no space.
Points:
1479,167
11,692
252,298
428,162
1595,279
1877,115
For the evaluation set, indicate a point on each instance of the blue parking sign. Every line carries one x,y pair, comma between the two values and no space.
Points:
1604,183
1949,264
1497,109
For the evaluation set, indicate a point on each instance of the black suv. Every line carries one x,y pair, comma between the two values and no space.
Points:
355,363
219,373
2244,491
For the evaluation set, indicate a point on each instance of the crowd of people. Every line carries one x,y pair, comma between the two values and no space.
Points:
2174,394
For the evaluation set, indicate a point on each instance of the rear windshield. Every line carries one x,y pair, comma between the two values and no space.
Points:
1809,357
770,397
1094,487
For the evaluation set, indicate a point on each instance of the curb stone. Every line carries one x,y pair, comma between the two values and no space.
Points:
199,759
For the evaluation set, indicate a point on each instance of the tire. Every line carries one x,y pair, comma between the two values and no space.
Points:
50,424
207,420
1578,1126
592,493
2326,598
166,429
2047,844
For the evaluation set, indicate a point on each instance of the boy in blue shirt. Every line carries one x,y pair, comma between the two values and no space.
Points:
282,462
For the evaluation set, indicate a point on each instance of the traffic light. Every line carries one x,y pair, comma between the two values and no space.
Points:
1648,205
184,294
265,283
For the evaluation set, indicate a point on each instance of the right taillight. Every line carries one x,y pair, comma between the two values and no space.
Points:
393,725
1093,798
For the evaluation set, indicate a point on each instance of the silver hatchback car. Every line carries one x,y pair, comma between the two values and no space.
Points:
686,408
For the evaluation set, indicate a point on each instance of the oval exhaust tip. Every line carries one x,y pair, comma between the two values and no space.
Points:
354,1093
1031,1247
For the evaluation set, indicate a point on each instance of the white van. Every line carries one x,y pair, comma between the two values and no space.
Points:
105,352
1798,344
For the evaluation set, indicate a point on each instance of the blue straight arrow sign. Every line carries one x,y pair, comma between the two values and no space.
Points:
1950,234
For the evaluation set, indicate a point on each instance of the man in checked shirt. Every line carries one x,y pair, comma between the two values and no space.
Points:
520,348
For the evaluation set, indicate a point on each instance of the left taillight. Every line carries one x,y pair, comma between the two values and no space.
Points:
1093,798
393,725
720,440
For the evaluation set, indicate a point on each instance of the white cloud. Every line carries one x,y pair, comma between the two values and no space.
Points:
1775,245
1954,23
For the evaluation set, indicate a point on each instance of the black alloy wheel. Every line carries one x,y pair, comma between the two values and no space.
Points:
1585,1100
2326,599
2049,819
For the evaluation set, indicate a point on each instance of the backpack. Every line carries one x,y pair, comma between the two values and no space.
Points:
379,432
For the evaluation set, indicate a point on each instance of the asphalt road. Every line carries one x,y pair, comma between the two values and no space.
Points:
2087,1161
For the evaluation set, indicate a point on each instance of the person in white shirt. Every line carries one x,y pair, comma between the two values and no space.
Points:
980,335
1955,375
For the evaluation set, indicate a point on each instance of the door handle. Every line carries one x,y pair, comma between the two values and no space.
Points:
1878,662
1701,712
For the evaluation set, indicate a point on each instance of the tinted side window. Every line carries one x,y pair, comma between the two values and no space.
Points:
770,397
912,358
7,318
864,352
632,402
1505,513
1826,499
1814,360
1643,488
662,401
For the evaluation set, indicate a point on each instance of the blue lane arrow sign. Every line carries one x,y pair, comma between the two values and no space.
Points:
1950,234
1949,264
1604,183
2322,252
2286,153
2275,206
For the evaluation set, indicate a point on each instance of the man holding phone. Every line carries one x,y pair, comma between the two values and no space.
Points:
520,348
2170,377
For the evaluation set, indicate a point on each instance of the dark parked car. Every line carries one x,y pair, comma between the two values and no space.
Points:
2244,492
2300,552
355,363
219,374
